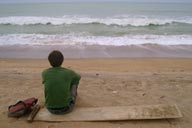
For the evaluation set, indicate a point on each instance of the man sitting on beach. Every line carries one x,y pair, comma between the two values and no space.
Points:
60,85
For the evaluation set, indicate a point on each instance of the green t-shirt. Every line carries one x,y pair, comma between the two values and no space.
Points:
57,83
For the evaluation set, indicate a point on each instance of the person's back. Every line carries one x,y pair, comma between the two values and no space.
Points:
60,85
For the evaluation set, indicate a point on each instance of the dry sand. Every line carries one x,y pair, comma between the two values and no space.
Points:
105,82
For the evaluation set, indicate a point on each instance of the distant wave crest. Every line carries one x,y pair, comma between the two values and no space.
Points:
68,20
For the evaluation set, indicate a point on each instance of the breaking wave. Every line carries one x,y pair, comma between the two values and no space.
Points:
78,39
68,20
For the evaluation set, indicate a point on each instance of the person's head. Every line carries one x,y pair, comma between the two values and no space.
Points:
55,58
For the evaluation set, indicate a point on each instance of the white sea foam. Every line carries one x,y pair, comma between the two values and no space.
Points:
78,39
116,20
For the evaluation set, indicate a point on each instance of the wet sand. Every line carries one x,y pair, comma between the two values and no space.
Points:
97,51
105,82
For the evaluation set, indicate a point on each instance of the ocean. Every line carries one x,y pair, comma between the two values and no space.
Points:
96,23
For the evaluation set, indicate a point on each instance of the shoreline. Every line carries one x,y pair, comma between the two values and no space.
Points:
98,51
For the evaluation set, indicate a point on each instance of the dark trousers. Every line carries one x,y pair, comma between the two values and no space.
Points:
69,108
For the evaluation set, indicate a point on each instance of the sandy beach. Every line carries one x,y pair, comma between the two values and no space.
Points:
128,53
105,82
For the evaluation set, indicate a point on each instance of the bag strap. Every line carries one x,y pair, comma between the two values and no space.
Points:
19,102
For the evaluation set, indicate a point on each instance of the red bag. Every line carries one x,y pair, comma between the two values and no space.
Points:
22,107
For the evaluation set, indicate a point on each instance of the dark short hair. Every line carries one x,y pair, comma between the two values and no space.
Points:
56,58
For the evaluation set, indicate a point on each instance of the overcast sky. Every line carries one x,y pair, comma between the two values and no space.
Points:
34,1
